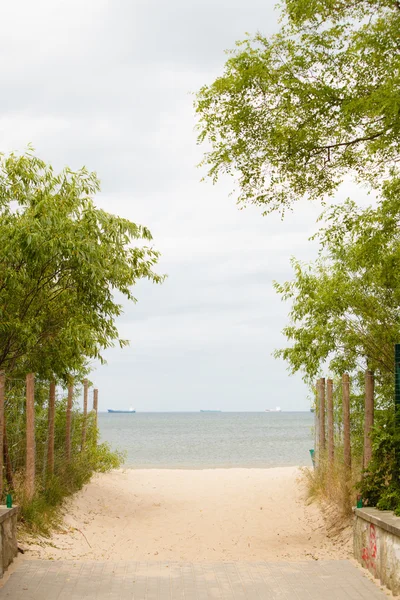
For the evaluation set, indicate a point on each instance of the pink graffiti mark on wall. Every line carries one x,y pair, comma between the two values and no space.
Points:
369,553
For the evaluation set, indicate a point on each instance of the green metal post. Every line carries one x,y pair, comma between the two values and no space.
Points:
397,401
397,384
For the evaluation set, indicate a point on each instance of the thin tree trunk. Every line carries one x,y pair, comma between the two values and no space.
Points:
331,441
68,423
85,405
369,416
316,425
51,415
322,435
95,407
346,421
30,436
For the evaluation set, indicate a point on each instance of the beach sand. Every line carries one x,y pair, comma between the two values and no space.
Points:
192,515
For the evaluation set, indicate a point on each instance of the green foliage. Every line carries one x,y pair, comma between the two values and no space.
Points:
380,485
293,113
344,306
344,318
63,261
330,484
42,513
63,264
290,117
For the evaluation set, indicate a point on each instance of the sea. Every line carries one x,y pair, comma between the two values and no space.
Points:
210,439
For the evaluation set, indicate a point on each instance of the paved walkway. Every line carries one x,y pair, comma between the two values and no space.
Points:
67,580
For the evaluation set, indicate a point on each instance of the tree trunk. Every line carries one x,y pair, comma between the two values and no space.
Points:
346,421
316,425
68,423
322,435
369,416
95,407
50,441
85,405
331,440
30,436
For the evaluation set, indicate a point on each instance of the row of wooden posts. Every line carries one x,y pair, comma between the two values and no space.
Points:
30,466
325,412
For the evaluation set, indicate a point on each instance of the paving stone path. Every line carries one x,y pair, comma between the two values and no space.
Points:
67,580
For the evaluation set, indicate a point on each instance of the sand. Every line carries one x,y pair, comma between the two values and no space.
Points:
192,515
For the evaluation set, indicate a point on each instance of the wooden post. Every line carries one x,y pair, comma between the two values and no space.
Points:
85,404
6,458
2,394
316,425
331,442
51,415
397,399
346,421
95,406
68,424
322,436
30,437
369,416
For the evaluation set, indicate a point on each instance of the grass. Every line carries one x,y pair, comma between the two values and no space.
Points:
334,486
43,513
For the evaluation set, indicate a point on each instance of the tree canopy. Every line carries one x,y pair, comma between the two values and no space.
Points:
293,113
345,305
62,262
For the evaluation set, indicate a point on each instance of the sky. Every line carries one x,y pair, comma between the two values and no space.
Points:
109,85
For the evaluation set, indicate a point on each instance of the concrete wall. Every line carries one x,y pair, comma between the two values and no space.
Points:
377,545
8,537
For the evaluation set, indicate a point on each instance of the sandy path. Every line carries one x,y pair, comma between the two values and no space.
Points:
199,515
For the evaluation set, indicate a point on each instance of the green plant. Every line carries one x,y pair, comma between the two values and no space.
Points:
333,484
380,485
293,113
63,263
42,513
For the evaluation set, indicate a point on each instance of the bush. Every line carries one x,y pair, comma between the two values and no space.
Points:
380,485
42,513
333,484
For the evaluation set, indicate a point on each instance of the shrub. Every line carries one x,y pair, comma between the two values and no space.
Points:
380,485
42,512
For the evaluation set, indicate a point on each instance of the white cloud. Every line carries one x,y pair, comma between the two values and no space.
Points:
108,84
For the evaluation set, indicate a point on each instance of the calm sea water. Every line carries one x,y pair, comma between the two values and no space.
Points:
207,440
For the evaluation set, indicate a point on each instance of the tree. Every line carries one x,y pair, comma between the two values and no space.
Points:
62,262
345,305
292,114
345,318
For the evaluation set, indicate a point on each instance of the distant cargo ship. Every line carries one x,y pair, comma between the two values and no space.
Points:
210,411
131,410
277,409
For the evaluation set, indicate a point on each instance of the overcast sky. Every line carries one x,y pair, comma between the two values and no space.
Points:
109,84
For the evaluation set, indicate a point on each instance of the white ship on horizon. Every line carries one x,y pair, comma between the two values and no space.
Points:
277,409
